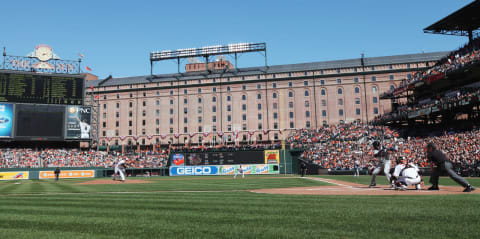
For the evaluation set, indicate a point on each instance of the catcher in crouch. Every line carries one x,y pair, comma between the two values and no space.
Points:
406,174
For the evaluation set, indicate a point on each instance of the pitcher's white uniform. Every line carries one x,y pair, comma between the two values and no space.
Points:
120,168
115,170
239,170
409,175
356,172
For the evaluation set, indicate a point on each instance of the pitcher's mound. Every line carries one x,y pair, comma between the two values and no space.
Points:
109,181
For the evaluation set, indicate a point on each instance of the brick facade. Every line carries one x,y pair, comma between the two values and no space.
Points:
198,108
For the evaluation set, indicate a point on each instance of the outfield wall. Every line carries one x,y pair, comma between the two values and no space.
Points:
284,161
223,169
287,163
77,172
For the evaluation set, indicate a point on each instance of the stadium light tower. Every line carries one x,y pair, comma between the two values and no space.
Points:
364,85
4,56
206,52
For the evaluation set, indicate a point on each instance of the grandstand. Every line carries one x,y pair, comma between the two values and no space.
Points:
300,107
216,121
447,91
439,104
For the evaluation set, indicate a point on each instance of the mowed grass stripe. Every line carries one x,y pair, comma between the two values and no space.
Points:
230,214
220,215
220,184
9,187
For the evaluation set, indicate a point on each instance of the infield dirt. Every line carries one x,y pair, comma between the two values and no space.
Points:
348,188
109,181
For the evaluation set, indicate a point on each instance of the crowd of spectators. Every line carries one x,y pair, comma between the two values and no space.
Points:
54,157
338,147
468,54
34,158
331,147
452,97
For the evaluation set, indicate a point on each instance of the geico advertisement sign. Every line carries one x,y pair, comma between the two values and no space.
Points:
193,170
68,174
13,175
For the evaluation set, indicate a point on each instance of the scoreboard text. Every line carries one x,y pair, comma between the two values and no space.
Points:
41,89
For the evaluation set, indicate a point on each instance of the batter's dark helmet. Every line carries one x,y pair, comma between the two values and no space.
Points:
431,146
376,144
401,160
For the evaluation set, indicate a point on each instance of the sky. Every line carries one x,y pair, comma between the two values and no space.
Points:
116,37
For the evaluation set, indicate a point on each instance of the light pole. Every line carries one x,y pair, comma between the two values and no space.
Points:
364,87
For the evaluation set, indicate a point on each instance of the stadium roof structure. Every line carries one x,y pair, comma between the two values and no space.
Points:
463,22
312,66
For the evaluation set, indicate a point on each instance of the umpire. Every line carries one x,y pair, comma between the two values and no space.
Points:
303,168
57,173
436,157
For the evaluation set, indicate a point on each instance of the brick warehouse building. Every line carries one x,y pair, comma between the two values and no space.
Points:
256,103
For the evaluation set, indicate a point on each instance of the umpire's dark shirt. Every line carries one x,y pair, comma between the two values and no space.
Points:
437,157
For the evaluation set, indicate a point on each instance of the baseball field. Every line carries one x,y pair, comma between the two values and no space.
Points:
220,207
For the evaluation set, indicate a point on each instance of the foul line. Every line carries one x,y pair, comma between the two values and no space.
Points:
329,181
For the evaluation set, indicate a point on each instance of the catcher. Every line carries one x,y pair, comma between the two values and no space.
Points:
406,174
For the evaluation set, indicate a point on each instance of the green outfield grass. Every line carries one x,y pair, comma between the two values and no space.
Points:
45,209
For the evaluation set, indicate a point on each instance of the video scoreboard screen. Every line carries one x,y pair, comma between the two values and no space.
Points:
41,89
40,122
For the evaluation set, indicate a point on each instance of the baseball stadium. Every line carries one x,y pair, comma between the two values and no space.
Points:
371,147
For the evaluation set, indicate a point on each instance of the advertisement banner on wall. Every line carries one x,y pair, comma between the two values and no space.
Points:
247,169
228,169
262,169
272,156
193,170
14,175
6,120
78,122
68,174
178,159
223,169
250,169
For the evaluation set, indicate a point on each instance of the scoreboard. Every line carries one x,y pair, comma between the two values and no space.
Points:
41,89
40,122
224,158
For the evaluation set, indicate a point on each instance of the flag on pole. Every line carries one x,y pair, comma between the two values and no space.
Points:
81,55
88,68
